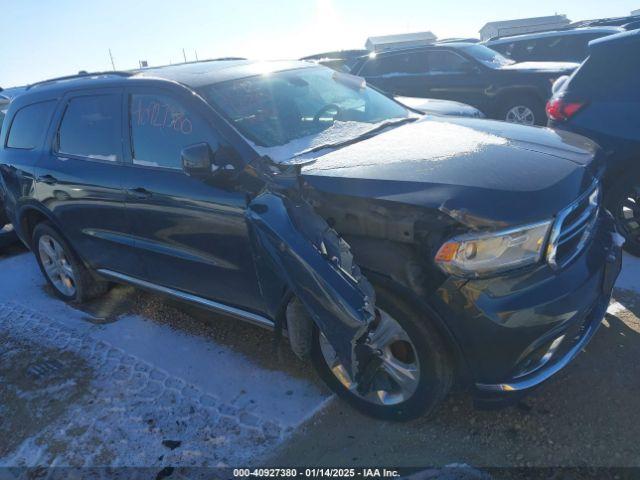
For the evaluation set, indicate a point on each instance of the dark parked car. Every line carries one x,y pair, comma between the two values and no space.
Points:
602,101
399,251
468,73
559,45
631,22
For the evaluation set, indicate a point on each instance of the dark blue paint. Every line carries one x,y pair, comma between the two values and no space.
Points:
608,85
248,238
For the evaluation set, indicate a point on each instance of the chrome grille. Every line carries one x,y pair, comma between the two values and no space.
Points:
572,229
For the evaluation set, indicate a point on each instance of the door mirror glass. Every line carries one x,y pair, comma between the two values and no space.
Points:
196,159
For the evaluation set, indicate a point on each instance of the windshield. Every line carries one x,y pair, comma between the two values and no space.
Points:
302,106
488,57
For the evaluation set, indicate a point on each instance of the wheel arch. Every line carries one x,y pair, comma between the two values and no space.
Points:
30,215
401,271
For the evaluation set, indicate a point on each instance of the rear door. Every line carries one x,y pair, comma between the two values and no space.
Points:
190,232
79,178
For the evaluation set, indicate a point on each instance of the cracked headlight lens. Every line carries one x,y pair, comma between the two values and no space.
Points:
475,255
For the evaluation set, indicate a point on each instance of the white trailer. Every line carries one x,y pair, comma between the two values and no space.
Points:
402,40
522,25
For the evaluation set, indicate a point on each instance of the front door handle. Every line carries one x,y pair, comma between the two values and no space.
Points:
48,179
139,192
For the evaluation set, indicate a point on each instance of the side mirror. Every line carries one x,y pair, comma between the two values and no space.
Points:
196,159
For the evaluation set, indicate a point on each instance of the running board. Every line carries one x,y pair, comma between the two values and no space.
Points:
249,317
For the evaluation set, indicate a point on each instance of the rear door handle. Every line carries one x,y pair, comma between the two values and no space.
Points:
48,179
139,192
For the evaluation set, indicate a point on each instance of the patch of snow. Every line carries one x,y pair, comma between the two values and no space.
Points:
337,133
540,66
150,383
438,106
411,143
630,275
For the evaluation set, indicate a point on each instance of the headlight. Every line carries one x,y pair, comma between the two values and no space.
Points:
476,255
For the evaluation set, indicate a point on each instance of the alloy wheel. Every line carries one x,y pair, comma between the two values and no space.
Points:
520,114
56,265
397,377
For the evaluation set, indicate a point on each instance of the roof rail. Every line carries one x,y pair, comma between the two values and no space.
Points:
81,74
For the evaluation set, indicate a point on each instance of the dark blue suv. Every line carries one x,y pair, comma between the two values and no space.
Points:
601,100
399,251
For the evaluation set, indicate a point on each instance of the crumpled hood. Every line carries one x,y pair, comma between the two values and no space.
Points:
483,173
551,67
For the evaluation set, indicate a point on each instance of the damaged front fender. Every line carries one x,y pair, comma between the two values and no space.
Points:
295,249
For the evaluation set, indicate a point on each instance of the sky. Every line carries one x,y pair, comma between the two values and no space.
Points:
41,39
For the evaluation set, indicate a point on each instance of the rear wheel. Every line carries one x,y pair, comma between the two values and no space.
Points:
415,371
61,267
523,110
624,203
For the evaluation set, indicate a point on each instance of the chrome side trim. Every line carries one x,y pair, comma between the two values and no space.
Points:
253,318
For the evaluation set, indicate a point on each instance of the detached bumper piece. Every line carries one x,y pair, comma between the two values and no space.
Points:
297,251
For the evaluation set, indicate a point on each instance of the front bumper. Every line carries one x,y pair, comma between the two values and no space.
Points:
517,331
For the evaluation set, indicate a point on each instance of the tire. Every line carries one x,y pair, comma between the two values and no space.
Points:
623,201
520,103
436,366
82,285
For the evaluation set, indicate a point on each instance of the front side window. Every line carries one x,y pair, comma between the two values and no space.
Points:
447,62
90,128
305,106
29,125
161,127
486,56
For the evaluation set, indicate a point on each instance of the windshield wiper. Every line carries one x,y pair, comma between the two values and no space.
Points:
368,133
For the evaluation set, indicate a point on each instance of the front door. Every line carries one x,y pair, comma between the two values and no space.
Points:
191,233
451,76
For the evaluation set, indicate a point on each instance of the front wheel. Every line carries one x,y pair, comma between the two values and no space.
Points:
624,203
415,371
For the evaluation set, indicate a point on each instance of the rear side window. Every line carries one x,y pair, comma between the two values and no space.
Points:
29,125
90,128
396,64
161,127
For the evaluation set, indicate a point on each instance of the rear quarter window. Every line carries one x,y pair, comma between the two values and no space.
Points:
29,125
